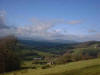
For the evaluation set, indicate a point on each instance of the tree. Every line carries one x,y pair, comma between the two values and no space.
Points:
10,59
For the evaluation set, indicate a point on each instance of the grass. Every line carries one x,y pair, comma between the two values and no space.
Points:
87,67
91,70
43,53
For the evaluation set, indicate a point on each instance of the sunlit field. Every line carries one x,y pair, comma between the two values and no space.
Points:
87,67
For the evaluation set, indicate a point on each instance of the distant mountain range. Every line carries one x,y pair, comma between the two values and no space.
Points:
45,42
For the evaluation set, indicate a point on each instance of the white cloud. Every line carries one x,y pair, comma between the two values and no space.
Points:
40,29
3,20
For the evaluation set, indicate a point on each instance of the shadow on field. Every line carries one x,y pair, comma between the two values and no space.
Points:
28,68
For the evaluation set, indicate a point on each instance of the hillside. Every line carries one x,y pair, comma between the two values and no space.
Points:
88,44
81,51
28,49
88,67
88,50
46,46
71,57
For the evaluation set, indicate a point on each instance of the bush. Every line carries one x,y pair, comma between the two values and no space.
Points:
34,67
64,59
45,66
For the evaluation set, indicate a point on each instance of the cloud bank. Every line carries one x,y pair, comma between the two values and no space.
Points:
42,30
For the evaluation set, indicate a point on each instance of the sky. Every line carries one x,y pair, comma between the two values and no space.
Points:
77,20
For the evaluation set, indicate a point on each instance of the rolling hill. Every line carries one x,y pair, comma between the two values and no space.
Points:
87,67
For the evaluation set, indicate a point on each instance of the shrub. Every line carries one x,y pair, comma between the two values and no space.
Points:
34,67
45,66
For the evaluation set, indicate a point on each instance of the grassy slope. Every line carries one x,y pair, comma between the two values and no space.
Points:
86,70
89,67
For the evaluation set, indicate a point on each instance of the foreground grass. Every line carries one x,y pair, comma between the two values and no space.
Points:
92,70
88,67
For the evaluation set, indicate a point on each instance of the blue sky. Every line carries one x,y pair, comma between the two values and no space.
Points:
80,18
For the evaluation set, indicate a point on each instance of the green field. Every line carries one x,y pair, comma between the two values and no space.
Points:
87,67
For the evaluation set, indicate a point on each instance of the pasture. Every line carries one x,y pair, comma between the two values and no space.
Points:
87,67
